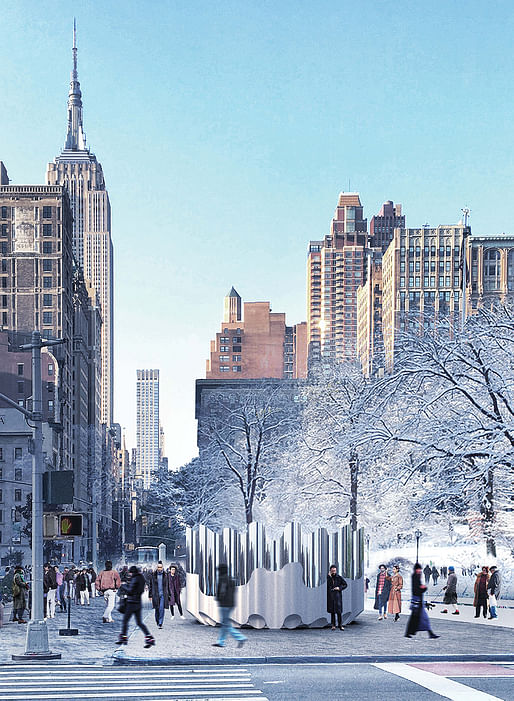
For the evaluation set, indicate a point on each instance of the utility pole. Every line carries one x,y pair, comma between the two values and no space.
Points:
36,643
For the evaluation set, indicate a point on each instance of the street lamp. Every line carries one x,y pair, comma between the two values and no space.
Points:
418,535
367,549
36,643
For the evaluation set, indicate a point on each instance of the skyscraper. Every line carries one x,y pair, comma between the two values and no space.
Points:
383,224
147,426
335,269
78,169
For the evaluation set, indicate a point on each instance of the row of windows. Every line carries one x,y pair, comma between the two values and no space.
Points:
18,454
226,339
226,359
429,281
226,368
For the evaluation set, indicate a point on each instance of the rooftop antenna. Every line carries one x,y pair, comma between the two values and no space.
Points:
465,211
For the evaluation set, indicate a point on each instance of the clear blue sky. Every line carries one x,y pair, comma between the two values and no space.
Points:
226,131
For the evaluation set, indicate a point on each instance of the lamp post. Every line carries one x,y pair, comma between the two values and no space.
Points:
36,643
418,535
367,549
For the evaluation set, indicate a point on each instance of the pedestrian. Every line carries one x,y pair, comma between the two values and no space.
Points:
394,604
50,585
435,575
159,592
181,574
225,596
92,577
494,589
450,592
175,588
366,584
107,583
382,589
418,619
83,586
133,589
427,572
335,586
444,572
19,589
480,600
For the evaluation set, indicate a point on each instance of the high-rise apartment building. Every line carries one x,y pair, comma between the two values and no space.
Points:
421,281
370,341
335,270
78,169
383,224
147,427
255,343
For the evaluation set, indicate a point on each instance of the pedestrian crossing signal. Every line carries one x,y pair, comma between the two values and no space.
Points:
70,525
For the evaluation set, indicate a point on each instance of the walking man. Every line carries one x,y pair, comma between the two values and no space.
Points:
427,572
50,584
133,589
335,586
383,587
493,587
159,592
225,596
107,583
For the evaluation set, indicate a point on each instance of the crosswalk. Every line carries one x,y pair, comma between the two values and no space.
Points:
88,682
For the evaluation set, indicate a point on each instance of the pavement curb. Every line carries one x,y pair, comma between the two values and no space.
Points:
304,659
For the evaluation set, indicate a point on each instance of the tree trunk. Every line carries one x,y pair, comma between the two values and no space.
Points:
487,511
354,482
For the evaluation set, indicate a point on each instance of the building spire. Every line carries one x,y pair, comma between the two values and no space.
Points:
75,137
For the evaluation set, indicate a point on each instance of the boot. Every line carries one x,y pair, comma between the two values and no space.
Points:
122,640
444,611
431,634
149,641
455,613
396,616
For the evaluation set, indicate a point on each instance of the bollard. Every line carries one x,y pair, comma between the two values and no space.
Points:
69,630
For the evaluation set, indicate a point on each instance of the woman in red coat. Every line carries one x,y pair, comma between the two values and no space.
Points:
394,604
175,589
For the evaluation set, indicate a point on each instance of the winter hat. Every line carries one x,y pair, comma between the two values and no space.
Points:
451,568
134,570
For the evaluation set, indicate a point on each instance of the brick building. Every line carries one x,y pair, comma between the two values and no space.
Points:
255,342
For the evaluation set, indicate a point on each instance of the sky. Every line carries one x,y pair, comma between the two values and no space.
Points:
226,131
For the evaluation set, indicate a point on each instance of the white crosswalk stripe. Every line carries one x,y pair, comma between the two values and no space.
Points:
148,683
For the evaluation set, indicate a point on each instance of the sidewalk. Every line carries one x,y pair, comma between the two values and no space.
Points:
188,642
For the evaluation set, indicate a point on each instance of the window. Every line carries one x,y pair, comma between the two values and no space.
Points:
1,458
47,318
411,282
4,212
47,265
441,280
491,269
21,387
4,266
411,267
236,358
17,495
224,358
224,368
50,368
236,349
425,281
47,300
236,368
4,230
1,495
3,248
47,229
18,453
47,282
224,339
4,300
18,474
47,212
47,247
20,368
224,349
402,282
236,339
4,318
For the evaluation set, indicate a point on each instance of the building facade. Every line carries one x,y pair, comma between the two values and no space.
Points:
79,170
255,343
490,270
147,427
421,281
335,270
370,341
383,224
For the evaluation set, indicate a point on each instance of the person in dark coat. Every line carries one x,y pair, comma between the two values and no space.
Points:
382,590
481,597
450,592
435,575
335,586
225,596
175,588
159,592
418,619
19,589
133,589
494,589
427,572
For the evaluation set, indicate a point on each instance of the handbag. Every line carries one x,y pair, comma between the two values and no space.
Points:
122,605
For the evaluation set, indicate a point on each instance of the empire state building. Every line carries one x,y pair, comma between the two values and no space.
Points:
78,169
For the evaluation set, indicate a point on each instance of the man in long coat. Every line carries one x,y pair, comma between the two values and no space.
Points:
159,592
335,586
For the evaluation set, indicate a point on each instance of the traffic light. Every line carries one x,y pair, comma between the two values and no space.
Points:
144,521
70,525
